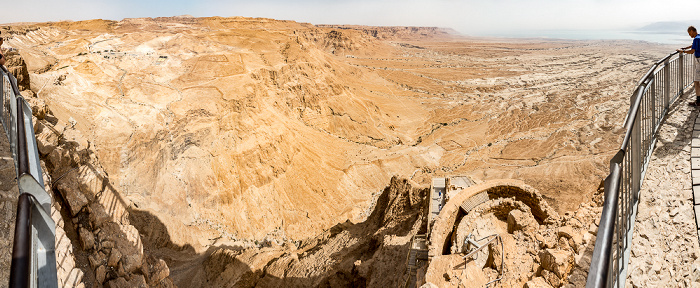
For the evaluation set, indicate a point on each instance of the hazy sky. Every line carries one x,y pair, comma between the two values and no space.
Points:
468,16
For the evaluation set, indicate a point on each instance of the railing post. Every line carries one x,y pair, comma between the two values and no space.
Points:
653,104
636,154
681,69
667,83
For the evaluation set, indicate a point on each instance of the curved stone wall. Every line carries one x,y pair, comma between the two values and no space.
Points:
505,188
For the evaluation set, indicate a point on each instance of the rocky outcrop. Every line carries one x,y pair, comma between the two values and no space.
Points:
15,64
95,209
367,254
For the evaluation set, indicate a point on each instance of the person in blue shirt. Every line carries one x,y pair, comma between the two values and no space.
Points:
2,57
695,50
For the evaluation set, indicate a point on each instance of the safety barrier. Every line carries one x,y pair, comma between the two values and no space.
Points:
656,91
33,251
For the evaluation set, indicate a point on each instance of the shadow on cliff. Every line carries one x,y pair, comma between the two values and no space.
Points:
367,254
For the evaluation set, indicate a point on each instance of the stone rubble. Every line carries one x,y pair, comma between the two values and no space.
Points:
551,252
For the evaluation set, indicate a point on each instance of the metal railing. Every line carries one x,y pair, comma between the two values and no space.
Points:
656,91
33,251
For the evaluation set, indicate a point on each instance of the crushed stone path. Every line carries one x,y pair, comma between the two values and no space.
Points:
665,247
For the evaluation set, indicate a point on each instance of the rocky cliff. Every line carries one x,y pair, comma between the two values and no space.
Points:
200,134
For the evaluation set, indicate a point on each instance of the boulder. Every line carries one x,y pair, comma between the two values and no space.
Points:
155,270
558,261
46,138
100,274
131,262
551,279
114,258
60,160
544,241
39,107
538,282
519,220
118,283
96,259
97,215
87,240
70,192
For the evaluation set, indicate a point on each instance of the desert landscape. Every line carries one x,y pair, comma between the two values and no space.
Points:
259,152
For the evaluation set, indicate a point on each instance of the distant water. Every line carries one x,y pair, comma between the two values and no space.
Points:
680,38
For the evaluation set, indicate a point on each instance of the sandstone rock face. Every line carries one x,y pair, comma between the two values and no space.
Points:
277,131
295,128
15,65
113,246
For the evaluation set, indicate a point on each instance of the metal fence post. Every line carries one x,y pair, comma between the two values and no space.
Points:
681,68
636,155
667,83
653,107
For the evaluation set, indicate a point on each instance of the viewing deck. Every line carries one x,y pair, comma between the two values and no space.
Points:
665,247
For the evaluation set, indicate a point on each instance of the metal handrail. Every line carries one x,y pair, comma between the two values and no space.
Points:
33,252
655,92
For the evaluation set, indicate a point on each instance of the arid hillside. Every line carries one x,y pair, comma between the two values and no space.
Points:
240,128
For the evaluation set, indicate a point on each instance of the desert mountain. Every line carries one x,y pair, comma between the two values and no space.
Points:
230,128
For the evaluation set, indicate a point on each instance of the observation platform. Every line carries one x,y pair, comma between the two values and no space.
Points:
665,251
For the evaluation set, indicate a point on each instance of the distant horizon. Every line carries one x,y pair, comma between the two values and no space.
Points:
469,17
663,36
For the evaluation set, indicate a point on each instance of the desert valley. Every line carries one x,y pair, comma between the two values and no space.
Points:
250,152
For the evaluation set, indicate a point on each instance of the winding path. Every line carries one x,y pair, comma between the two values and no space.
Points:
665,248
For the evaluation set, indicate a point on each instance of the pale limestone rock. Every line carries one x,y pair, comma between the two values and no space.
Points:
46,138
87,240
551,278
114,258
98,216
558,261
118,283
519,220
39,107
100,274
538,282
96,259
131,262
563,243
157,271
75,200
